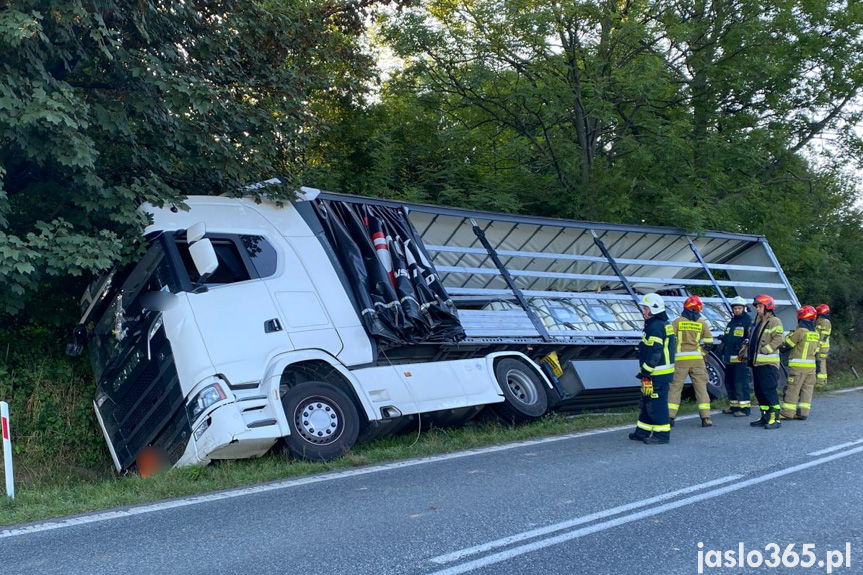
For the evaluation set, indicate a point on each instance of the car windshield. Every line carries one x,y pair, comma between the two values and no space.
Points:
716,315
119,326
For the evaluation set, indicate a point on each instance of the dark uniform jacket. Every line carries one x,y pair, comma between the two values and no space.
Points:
656,350
737,332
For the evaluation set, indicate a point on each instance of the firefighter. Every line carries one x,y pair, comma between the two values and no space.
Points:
805,344
736,370
762,355
656,363
824,328
694,340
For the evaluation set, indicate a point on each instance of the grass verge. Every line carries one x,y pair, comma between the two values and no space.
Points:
48,494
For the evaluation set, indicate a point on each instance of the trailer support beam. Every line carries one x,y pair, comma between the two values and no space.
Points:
616,269
700,259
537,323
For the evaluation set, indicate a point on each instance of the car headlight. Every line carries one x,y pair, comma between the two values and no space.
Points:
205,398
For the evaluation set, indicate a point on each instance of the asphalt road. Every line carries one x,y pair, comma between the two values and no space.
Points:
591,504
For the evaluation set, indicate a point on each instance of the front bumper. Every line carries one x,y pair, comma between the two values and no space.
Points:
226,437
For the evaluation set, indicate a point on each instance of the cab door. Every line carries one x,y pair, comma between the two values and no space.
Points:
236,315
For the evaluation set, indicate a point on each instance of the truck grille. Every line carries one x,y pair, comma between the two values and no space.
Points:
148,407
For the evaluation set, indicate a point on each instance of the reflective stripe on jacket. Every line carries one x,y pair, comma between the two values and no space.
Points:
763,348
656,350
824,329
805,345
689,335
738,331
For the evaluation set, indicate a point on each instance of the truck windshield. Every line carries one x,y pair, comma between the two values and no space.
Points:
112,334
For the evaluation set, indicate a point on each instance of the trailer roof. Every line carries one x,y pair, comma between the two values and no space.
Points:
536,220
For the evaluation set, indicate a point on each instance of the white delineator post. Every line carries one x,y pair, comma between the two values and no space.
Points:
7,448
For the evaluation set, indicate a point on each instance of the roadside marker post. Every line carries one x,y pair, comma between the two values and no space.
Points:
7,449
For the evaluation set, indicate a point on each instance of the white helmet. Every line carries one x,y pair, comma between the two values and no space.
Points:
738,301
653,302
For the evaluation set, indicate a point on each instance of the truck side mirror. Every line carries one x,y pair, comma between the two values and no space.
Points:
196,232
204,257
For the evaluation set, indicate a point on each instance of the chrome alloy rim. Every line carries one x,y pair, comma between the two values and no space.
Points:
318,420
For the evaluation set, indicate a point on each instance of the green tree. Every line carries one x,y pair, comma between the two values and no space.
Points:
669,107
105,104
405,147
570,79
692,113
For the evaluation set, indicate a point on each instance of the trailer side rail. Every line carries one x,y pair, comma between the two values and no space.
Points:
501,269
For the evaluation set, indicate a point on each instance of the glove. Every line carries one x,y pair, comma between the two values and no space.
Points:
646,387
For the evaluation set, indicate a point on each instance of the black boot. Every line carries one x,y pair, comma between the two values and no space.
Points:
636,437
765,416
653,440
773,421
671,421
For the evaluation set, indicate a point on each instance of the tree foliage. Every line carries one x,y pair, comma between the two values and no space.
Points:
692,113
105,104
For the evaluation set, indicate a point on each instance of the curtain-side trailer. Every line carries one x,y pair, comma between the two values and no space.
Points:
335,318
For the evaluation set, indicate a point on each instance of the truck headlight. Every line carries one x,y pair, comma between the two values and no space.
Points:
204,399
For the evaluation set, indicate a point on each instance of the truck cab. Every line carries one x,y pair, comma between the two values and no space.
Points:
199,348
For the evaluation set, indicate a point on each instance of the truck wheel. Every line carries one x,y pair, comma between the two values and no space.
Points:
323,421
523,389
715,378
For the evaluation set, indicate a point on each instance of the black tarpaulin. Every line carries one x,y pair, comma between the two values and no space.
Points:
399,292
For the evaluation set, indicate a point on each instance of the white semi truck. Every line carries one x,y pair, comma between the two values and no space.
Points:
335,318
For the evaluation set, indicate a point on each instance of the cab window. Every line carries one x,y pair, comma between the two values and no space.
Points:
241,258
262,254
231,268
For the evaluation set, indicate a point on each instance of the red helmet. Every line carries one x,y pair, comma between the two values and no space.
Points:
806,312
822,309
693,302
765,300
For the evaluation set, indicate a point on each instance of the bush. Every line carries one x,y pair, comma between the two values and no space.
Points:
50,400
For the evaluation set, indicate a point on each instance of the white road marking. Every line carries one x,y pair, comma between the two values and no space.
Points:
849,390
456,555
578,533
835,448
243,491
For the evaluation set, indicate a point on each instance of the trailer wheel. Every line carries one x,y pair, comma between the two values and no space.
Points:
324,422
523,389
715,378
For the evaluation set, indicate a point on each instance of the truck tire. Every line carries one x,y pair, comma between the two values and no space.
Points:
715,378
523,389
323,420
